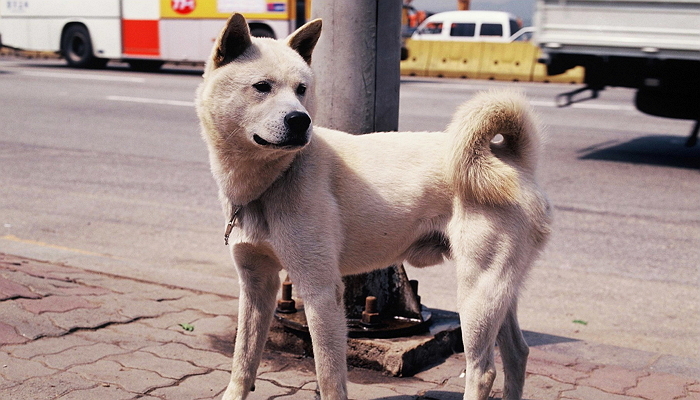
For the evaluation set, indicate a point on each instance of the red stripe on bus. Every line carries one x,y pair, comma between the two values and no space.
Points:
140,37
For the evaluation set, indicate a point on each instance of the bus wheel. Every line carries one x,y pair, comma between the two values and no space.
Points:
145,65
76,48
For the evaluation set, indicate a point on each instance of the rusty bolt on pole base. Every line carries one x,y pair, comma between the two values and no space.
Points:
369,325
370,316
286,304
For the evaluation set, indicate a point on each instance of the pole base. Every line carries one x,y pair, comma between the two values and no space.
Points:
397,356
386,327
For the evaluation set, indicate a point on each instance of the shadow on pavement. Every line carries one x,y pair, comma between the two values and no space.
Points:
540,339
665,151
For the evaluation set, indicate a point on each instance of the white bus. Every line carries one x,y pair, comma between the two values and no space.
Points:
144,33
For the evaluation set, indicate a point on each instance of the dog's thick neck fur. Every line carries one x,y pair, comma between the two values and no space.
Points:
233,178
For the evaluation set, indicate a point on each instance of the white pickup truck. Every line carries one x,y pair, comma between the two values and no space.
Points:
650,45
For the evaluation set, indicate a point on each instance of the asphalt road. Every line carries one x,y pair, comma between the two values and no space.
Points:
105,170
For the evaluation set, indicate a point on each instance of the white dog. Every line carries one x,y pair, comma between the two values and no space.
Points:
322,204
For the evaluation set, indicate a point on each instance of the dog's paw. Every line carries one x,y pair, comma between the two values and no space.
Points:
236,392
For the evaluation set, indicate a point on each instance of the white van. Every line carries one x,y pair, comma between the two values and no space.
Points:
470,26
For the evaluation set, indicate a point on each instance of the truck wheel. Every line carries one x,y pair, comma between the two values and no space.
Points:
76,48
678,105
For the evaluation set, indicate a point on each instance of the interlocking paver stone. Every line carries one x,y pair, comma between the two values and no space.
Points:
108,334
613,379
39,285
57,304
46,387
38,269
81,290
133,306
28,324
557,372
305,394
660,386
143,330
208,303
19,370
202,358
46,346
544,388
79,355
87,318
165,367
589,393
10,290
101,392
205,386
220,325
173,319
8,335
132,380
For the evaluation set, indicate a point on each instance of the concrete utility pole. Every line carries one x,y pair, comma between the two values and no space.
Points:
357,67
356,63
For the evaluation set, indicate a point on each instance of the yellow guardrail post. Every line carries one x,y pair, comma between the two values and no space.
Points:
507,61
455,59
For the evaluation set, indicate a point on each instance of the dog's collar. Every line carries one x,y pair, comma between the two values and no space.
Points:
231,222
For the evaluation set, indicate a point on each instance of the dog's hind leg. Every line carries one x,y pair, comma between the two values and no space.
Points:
259,280
514,352
485,252
478,318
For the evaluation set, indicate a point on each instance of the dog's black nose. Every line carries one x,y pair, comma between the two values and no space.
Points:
298,123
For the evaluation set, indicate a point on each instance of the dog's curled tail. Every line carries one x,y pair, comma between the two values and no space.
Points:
487,169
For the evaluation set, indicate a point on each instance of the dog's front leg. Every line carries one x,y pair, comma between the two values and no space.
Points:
259,280
325,314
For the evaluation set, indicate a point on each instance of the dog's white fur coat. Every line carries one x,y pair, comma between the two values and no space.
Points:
321,203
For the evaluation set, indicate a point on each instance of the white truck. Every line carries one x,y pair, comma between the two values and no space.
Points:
649,45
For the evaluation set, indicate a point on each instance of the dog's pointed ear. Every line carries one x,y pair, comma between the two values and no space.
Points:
304,39
234,40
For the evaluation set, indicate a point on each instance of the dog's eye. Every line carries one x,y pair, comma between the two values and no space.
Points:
301,89
263,87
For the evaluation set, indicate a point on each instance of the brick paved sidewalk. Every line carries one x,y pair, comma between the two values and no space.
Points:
66,333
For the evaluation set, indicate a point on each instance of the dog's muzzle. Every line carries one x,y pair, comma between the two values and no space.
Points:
296,125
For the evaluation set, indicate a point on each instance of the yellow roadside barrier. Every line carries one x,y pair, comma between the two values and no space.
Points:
419,52
507,61
515,61
455,60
